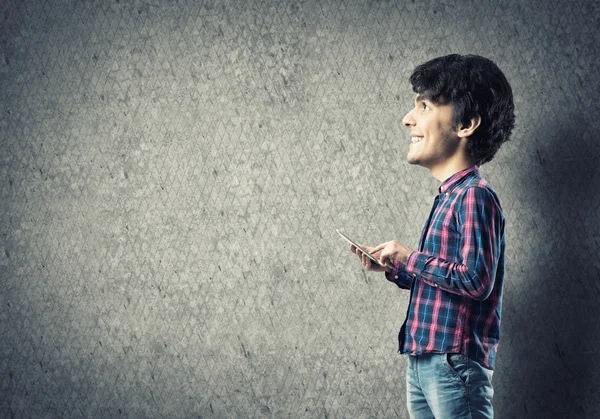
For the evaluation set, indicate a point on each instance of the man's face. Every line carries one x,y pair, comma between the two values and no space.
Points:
433,139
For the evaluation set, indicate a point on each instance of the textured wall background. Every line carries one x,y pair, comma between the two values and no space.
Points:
172,174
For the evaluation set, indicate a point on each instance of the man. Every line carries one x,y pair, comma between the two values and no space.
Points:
463,112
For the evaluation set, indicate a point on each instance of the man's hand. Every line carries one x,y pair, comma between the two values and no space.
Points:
367,263
391,251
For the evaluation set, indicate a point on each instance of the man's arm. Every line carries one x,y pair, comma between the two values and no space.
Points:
482,232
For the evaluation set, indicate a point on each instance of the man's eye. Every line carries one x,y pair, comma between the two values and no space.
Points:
424,106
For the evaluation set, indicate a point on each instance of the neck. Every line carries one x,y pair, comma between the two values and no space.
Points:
446,169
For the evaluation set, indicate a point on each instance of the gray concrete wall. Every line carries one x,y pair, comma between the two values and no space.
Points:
172,175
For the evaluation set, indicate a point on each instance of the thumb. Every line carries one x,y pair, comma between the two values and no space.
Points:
385,259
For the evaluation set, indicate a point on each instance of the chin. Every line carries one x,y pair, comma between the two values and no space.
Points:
415,161
412,160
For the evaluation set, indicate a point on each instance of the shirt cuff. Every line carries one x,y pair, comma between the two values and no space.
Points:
399,276
393,274
416,263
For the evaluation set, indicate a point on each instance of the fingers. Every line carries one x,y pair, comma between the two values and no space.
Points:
366,261
378,248
375,252
386,259
362,246
387,262
354,249
357,250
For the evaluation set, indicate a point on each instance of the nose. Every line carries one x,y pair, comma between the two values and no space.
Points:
408,120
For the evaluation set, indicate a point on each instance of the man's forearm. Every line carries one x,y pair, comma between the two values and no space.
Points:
475,281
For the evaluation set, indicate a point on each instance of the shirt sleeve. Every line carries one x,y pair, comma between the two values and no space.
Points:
481,224
399,276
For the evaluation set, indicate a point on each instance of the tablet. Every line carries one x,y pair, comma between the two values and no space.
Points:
349,240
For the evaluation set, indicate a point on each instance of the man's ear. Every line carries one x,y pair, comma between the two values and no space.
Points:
465,131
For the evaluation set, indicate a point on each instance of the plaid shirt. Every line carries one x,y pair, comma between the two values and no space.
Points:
456,276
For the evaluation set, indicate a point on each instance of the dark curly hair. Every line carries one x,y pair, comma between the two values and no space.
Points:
473,85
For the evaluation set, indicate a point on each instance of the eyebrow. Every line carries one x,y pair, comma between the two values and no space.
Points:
420,98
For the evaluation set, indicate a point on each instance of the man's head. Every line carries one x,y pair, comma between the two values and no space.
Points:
479,100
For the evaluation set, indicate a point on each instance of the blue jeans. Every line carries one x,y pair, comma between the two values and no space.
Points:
453,386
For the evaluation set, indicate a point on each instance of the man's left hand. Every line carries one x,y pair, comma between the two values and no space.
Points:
391,251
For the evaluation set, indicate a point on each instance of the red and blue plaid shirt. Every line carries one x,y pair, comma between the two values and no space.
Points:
456,276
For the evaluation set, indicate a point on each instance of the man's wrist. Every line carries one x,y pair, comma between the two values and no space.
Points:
405,256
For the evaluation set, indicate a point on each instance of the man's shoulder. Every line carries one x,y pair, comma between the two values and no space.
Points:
477,181
481,190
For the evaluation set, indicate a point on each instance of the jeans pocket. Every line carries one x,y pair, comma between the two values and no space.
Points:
458,365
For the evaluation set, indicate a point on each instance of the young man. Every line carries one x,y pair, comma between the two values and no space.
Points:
463,112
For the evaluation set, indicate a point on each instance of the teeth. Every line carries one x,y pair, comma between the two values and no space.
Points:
415,139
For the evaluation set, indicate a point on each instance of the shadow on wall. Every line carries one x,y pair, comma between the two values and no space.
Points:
555,369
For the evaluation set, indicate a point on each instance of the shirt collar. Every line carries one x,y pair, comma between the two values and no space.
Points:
457,178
